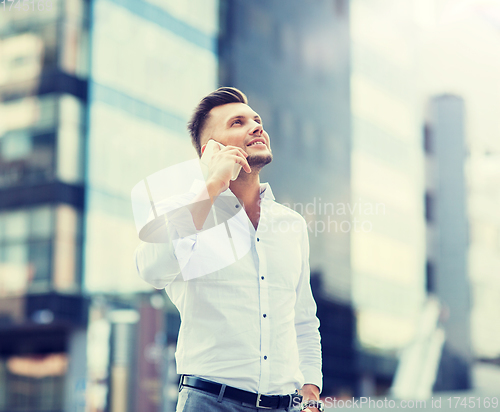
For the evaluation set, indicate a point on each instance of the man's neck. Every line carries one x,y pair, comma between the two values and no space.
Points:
247,189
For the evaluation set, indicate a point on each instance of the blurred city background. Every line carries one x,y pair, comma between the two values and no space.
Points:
386,103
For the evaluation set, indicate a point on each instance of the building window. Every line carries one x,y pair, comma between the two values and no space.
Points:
39,250
27,140
33,382
427,139
340,7
430,285
429,207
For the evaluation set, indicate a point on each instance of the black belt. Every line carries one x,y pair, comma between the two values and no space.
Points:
255,399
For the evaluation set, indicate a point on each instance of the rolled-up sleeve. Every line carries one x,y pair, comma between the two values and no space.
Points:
157,261
307,323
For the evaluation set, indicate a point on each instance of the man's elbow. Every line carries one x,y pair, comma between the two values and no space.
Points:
152,265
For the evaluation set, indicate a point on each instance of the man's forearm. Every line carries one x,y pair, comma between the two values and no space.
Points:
201,205
310,391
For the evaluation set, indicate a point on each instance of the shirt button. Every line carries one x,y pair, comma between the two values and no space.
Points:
258,239
265,357
262,277
237,206
264,315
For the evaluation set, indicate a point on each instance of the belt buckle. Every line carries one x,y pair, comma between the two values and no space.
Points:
257,404
181,383
295,399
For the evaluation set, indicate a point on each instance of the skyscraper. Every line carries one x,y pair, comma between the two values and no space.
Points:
448,243
43,91
388,254
95,96
293,63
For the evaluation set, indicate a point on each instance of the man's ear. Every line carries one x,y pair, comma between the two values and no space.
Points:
203,148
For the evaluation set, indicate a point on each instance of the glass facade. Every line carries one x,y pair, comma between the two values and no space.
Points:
30,383
293,63
26,250
298,81
151,63
27,146
41,143
84,115
43,92
39,250
388,261
42,140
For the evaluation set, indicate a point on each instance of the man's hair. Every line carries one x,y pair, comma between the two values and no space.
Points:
222,95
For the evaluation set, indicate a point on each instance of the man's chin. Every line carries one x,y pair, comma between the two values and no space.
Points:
259,160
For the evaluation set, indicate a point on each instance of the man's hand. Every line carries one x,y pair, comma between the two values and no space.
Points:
219,175
222,164
310,391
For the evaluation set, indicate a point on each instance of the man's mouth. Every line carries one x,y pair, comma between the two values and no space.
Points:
256,142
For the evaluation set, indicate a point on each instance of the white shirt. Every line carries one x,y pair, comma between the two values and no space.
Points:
251,322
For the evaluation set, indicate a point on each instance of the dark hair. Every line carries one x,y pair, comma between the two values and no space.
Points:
222,95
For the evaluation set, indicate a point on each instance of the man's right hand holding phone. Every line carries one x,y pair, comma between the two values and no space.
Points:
221,166
220,161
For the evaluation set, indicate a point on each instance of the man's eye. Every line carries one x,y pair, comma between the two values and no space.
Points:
236,121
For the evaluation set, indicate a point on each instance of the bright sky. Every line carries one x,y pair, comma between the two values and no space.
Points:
461,54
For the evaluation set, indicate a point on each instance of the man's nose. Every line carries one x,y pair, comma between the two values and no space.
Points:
257,130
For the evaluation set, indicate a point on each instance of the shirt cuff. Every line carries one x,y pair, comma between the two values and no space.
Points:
181,217
313,376
182,220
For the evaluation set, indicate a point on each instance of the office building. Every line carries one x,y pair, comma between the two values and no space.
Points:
43,312
91,92
447,236
387,178
293,63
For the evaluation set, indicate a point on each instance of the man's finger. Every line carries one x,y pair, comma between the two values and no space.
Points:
244,164
239,149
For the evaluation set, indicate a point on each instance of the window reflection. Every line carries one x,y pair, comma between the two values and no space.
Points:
33,382
39,250
14,273
27,140
74,38
17,226
21,58
26,159
17,145
66,254
25,55
201,14
41,222
171,84
39,265
70,140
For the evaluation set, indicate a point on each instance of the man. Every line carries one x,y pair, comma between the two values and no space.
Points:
249,336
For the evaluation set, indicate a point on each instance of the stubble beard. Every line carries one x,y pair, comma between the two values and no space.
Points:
259,160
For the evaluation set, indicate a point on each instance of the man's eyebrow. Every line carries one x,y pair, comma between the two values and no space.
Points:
243,117
236,117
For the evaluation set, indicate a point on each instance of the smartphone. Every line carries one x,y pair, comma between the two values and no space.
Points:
207,156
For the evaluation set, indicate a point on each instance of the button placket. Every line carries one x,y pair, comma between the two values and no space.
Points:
265,326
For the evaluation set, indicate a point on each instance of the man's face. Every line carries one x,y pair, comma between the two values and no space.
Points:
236,124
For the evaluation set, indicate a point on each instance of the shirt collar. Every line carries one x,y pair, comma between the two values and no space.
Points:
265,190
